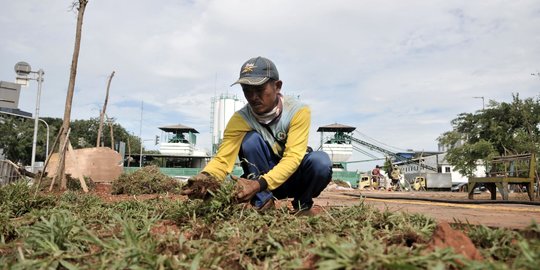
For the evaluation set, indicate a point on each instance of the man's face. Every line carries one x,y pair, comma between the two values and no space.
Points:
262,98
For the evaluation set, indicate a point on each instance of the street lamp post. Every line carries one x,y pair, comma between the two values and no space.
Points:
482,97
47,143
23,69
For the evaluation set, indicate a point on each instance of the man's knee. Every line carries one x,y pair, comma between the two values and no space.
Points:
321,164
252,140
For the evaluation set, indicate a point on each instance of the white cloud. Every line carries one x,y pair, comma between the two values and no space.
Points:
397,70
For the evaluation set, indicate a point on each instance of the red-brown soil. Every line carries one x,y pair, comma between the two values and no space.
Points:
444,237
164,227
103,190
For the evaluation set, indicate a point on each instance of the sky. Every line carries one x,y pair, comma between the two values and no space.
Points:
398,71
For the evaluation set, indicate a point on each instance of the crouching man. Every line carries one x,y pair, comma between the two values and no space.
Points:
270,137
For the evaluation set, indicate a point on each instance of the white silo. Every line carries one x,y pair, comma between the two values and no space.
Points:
223,107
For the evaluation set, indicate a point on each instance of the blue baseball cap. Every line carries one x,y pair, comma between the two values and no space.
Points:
257,71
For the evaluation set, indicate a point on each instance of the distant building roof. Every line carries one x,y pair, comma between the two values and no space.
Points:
178,129
336,128
16,112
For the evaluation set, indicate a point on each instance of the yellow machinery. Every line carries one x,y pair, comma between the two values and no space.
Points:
505,170
419,183
367,181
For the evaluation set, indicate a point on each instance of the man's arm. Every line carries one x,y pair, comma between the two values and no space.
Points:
223,161
295,149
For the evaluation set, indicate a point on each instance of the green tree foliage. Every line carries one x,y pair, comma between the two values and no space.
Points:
16,136
501,129
387,167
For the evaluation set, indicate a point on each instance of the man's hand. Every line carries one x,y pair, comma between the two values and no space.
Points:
246,189
198,186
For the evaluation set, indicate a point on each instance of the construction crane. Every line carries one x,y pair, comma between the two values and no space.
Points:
340,147
402,160
375,147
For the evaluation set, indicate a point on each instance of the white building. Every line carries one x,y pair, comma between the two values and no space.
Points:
223,108
444,177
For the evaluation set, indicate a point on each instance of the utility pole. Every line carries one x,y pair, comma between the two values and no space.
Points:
140,136
110,121
483,105
129,152
36,118
103,111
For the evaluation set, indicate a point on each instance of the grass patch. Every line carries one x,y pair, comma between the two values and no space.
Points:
147,180
19,198
80,231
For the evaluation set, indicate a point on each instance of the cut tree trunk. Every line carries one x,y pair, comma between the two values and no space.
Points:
104,110
71,87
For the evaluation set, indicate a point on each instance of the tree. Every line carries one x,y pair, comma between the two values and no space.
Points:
387,167
17,136
501,129
80,6
83,133
16,139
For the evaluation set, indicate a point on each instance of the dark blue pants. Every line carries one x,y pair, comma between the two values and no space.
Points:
311,177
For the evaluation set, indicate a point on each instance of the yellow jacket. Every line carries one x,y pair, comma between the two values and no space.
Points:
296,142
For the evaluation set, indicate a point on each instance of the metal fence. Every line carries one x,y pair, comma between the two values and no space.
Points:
9,172
351,177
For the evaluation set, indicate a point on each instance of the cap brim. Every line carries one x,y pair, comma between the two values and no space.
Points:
251,80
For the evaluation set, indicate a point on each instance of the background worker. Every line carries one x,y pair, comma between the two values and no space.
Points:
396,175
270,136
377,176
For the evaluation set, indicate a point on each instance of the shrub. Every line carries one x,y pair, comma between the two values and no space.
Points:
148,180
18,198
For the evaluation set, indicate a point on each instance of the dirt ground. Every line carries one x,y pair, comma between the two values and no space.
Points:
514,216
103,190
